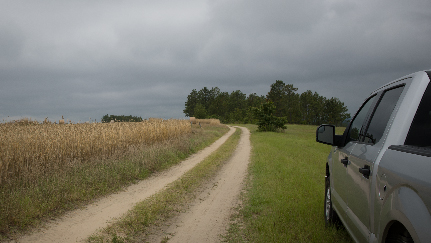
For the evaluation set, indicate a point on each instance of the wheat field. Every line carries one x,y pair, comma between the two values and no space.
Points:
33,148
193,120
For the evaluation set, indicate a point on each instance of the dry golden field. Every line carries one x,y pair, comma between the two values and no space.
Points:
205,121
32,148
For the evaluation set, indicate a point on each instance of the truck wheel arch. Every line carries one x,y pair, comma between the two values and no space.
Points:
404,206
396,232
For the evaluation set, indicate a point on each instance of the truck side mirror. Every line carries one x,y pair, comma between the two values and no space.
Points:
325,134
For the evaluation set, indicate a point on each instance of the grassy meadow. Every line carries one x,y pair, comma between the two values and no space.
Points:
48,169
283,201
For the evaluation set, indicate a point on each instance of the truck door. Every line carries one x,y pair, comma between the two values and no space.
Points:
361,161
340,157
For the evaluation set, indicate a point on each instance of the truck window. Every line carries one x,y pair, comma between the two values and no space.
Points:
382,115
420,129
358,121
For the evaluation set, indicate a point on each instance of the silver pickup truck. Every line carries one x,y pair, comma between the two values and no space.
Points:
378,173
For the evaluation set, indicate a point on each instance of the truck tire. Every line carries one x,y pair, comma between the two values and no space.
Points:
398,234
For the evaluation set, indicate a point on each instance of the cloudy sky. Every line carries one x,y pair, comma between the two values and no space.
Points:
88,58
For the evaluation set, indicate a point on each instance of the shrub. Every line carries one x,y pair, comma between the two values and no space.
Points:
267,121
108,118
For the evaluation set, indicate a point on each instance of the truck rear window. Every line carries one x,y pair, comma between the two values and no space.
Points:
420,130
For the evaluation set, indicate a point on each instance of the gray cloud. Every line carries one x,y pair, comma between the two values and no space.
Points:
85,59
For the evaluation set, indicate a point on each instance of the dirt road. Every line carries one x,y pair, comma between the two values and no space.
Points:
208,217
76,226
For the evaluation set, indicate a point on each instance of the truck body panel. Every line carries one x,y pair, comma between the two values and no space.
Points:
380,168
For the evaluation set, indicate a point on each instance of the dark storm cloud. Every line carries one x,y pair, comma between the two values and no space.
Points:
85,59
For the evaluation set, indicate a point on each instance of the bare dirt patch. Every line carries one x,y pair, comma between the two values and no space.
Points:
78,225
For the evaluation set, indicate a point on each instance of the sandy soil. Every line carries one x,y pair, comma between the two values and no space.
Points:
208,217
78,225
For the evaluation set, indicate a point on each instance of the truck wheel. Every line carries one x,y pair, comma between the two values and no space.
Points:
398,234
330,215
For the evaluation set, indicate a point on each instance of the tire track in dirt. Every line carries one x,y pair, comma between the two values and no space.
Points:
208,217
78,225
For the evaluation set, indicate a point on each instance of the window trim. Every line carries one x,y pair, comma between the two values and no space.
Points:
366,118
370,114
370,118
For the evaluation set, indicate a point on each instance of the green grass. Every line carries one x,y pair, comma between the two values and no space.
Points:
135,226
24,206
283,201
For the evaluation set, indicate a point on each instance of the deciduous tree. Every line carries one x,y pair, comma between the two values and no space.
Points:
192,100
200,112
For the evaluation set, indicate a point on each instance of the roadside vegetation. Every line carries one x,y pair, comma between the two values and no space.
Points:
150,213
35,192
283,200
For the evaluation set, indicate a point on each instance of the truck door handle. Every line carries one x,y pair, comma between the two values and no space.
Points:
365,171
345,161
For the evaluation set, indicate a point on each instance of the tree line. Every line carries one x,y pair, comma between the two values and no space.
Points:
236,107
122,118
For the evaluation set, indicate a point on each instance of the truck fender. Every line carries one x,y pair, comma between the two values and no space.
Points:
404,205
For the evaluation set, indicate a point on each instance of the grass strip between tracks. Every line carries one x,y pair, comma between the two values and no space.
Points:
135,226
284,197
